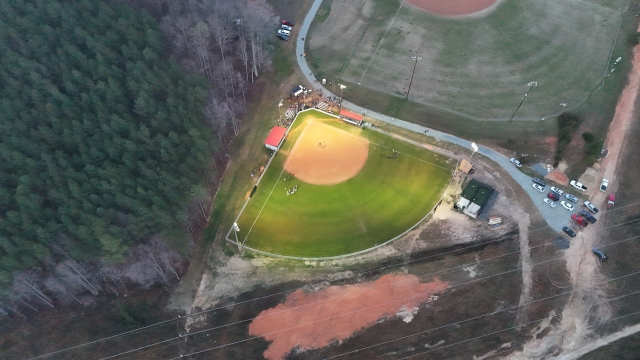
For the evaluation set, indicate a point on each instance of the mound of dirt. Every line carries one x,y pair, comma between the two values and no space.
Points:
558,177
314,320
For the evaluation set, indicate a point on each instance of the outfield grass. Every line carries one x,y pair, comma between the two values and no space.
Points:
478,67
385,199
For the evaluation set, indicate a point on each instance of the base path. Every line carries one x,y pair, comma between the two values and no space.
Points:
550,215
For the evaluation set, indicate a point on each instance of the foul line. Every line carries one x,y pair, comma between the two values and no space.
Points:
381,41
276,184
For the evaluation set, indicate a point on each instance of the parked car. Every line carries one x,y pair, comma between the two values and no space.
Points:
566,205
287,22
578,185
283,37
286,27
553,196
539,182
284,32
569,232
538,187
588,216
597,252
515,162
557,191
579,220
604,184
591,207
549,202
611,200
571,198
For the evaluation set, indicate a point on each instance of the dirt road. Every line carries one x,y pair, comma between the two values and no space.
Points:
587,304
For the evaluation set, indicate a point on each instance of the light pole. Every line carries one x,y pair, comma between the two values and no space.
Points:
474,147
235,232
415,58
530,85
342,87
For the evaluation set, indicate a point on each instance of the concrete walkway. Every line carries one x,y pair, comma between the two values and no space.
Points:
556,217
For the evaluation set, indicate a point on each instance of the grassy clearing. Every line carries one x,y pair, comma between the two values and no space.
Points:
476,66
386,198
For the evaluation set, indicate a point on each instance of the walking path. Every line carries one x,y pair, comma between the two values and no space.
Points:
555,217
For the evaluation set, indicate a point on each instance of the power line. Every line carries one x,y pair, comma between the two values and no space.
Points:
355,311
290,291
458,322
278,294
479,317
514,327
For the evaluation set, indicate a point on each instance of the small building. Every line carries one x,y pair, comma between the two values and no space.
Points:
275,138
465,166
350,117
476,199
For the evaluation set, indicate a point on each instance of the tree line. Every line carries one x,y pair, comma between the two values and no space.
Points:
110,151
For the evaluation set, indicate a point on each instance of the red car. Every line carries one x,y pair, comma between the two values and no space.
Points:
553,196
579,220
287,22
611,200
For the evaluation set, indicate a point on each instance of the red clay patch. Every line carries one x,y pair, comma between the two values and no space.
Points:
558,177
452,7
311,321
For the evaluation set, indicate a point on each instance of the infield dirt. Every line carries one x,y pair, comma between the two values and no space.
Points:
452,7
325,155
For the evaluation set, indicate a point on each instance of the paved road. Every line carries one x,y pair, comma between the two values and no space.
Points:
555,217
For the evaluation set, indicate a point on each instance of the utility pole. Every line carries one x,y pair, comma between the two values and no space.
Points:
342,87
415,58
235,232
530,85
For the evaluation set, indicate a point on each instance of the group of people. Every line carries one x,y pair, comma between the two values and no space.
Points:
292,190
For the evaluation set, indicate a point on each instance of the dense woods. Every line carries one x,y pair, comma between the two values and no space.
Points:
110,149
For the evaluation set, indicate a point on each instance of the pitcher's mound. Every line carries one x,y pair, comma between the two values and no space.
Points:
324,155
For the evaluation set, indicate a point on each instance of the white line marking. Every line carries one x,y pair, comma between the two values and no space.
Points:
277,182
380,43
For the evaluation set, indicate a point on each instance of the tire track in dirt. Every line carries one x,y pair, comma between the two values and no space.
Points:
527,267
571,336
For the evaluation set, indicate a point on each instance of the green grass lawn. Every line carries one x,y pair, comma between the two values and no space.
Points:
385,199
477,67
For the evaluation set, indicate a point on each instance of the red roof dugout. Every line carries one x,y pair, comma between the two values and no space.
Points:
275,138
350,117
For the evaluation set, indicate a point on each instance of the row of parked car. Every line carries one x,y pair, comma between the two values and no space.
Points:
285,30
583,217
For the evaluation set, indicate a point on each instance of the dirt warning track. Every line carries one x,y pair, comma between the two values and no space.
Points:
324,155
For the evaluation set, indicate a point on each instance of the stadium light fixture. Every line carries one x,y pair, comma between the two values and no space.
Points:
235,232
474,147
342,87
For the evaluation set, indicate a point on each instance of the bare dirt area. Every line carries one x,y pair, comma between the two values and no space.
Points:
589,302
454,7
307,321
324,155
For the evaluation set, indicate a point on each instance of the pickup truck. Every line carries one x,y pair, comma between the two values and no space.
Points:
578,185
